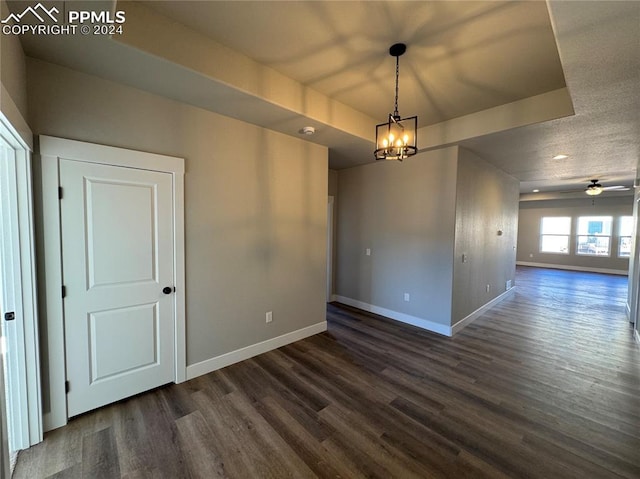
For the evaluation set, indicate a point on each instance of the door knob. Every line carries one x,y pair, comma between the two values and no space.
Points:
167,290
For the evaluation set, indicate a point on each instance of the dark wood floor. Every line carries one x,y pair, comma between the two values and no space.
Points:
546,384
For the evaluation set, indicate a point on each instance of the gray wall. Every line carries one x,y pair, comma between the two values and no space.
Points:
419,217
404,212
486,201
531,213
255,203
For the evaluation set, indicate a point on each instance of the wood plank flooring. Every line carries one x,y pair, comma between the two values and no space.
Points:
545,385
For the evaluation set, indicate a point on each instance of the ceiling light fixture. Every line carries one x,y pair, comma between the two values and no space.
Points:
396,139
594,188
561,157
536,191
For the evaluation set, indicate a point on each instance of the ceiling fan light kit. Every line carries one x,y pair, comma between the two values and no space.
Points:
397,138
594,188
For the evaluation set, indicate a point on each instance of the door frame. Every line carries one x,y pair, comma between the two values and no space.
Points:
5,469
17,239
634,273
51,151
330,238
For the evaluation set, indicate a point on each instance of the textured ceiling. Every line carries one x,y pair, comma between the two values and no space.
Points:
464,59
600,50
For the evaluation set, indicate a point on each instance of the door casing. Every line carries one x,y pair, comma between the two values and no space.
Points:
18,243
51,151
330,237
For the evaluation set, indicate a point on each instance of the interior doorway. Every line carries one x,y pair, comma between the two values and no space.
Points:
108,186
22,419
330,204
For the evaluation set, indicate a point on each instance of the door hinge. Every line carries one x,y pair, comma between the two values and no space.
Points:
59,192
67,387
64,291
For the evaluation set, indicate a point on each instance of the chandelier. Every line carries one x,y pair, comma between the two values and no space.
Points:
396,139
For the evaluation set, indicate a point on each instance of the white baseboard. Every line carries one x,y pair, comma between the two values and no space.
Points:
466,321
636,335
402,317
620,272
227,359
333,298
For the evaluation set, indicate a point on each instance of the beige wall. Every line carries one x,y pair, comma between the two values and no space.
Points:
405,213
13,81
255,203
531,213
13,72
486,201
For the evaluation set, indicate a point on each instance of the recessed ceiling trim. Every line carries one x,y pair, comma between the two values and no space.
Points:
157,35
536,109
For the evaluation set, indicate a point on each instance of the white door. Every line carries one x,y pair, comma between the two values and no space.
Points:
117,258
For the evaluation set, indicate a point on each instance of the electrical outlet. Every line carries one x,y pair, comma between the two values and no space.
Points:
407,297
488,288
269,317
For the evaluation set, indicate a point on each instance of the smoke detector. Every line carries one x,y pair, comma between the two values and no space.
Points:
308,130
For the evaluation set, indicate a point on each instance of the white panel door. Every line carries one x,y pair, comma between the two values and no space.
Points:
117,255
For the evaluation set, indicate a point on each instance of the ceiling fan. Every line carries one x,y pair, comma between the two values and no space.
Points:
594,188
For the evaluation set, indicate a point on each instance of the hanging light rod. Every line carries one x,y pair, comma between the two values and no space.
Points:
397,138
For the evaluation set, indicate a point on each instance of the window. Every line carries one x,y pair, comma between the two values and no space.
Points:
594,235
625,233
554,234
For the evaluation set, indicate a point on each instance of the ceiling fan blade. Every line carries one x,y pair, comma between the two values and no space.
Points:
616,188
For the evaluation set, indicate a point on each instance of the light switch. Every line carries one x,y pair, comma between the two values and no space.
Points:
367,251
